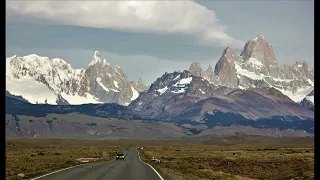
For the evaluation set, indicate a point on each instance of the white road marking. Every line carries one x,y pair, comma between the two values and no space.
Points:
56,171
87,163
150,166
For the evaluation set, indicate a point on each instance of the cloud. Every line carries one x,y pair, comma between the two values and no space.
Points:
177,17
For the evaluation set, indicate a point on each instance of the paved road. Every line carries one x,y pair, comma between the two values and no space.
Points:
129,169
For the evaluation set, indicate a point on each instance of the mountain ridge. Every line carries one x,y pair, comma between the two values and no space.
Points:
172,95
257,66
98,83
19,109
250,89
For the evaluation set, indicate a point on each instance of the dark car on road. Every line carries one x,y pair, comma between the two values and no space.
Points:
120,156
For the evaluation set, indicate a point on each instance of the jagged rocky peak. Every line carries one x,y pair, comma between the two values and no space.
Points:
119,70
209,73
229,54
96,68
96,55
209,70
301,64
139,85
225,62
185,74
301,69
106,83
260,49
98,83
260,37
168,78
195,69
97,60
225,69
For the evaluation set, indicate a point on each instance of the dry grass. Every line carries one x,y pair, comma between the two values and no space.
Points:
188,159
239,161
34,157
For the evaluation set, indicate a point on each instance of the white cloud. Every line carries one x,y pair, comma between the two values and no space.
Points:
183,17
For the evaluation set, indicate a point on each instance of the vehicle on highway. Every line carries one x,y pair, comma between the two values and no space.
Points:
120,156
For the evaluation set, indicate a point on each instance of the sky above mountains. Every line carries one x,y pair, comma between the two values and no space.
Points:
148,38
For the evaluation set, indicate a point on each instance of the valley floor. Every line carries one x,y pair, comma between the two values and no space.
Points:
232,157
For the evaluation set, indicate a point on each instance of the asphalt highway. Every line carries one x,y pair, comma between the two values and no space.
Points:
129,169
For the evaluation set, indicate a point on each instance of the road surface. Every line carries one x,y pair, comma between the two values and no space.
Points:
129,169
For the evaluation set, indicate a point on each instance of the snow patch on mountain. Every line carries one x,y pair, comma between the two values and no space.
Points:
255,62
135,94
181,86
310,82
98,79
257,66
176,77
241,87
26,86
245,72
115,83
162,90
185,81
31,90
310,98
178,91
40,79
202,91
298,95
114,90
78,100
308,101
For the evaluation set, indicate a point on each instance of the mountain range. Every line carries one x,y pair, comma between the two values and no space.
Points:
257,67
250,89
42,80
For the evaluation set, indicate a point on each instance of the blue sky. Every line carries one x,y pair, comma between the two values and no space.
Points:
148,38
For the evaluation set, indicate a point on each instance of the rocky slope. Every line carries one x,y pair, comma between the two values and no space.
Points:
182,96
257,67
83,126
247,90
308,101
53,81
139,85
114,121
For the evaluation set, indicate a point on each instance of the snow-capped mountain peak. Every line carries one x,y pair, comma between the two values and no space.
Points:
260,37
97,61
39,79
140,85
96,55
257,66
262,51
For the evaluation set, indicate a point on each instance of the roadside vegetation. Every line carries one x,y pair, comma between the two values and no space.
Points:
237,157
33,157
284,159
